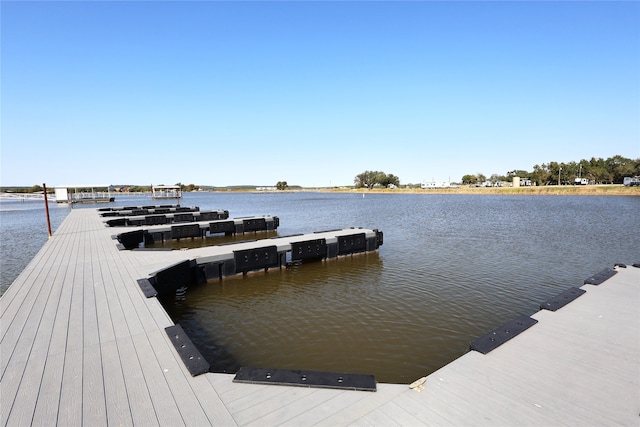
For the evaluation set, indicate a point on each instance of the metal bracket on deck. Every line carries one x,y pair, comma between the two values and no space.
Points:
600,277
500,335
563,299
193,360
298,378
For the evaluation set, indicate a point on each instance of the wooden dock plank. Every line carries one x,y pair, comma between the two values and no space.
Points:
93,394
346,415
91,335
150,313
211,403
499,400
391,413
385,415
252,398
178,378
70,409
317,414
259,410
117,406
422,407
75,323
137,387
160,390
103,303
30,352
30,383
9,388
284,410
19,339
47,403
60,325
230,392
124,318
128,307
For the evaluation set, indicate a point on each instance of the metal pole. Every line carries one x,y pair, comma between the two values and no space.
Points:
559,170
46,206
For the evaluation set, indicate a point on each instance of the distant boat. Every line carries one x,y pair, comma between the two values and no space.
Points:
166,192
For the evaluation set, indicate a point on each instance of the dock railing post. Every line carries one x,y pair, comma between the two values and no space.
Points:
46,206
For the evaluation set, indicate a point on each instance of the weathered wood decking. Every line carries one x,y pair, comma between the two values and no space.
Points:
80,345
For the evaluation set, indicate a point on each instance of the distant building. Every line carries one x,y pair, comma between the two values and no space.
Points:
521,182
631,181
433,184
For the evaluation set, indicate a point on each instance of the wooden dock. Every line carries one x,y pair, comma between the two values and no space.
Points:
81,345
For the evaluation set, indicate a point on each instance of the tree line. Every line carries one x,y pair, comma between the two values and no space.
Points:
600,171
597,170
370,179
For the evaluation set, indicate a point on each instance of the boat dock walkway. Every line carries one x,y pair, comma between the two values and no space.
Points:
82,346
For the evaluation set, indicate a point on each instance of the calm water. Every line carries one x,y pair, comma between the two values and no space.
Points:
452,267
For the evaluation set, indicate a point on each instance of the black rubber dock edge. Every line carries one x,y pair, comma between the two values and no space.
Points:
147,288
318,379
600,277
188,352
562,299
500,335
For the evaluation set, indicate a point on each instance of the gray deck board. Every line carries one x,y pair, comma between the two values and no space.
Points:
178,380
317,414
47,404
104,305
81,345
93,394
116,399
137,385
283,411
264,409
21,330
70,409
160,390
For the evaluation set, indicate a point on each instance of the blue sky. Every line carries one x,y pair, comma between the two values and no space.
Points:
312,93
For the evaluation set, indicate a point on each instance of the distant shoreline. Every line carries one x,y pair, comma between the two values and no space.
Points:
549,190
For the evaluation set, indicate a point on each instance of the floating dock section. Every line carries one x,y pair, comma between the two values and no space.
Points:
138,217
216,262
128,210
157,234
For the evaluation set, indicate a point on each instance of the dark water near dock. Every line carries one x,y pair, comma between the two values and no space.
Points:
452,267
